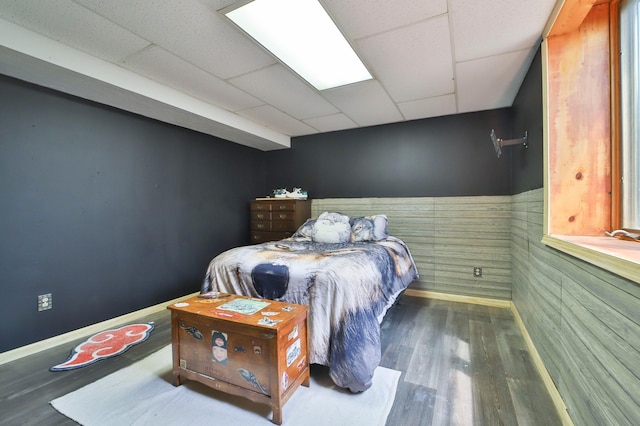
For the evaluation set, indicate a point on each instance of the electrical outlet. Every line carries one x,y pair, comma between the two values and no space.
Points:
45,301
477,271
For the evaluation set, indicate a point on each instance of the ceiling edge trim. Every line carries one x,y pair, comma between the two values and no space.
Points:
123,89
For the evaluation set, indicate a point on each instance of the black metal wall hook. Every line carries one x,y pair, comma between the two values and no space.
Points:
498,143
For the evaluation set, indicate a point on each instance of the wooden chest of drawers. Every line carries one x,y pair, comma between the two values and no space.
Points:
259,355
275,219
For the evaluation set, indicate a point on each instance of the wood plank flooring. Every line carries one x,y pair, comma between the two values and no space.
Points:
461,364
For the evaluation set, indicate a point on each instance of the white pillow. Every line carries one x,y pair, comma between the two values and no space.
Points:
331,228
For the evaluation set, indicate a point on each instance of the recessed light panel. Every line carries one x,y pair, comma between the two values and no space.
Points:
301,34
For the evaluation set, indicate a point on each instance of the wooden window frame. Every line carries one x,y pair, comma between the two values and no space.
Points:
616,118
616,124
581,121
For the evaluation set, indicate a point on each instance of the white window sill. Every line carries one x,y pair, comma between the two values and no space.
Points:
614,255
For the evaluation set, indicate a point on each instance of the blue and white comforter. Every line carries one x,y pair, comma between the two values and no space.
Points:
348,287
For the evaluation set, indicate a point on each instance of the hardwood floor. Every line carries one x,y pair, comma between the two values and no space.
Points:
461,364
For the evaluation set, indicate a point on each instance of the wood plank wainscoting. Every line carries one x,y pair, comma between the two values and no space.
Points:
583,321
448,237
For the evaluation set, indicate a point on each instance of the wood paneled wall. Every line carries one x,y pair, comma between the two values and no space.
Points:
447,236
577,86
584,322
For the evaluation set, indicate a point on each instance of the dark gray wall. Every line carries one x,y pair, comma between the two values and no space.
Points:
444,156
527,116
108,211
112,212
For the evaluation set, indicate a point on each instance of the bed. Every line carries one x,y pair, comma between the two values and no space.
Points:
349,271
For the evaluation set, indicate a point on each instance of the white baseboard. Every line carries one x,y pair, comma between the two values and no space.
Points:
542,370
498,303
42,345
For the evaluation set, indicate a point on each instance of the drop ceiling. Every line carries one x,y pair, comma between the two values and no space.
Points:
182,62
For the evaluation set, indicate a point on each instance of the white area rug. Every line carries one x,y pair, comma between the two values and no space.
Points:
142,394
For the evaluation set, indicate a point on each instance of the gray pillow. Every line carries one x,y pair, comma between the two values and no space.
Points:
369,228
305,230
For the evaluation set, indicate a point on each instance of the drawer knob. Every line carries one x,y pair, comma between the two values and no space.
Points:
260,226
283,215
260,216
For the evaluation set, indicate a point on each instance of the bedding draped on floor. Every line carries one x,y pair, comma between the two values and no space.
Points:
348,287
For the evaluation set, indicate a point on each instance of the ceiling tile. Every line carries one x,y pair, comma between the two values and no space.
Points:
501,77
190,30
217,4
428,58
362,18
485,28
365,103
166,68
430,107
412,62
277,120
278,86
331,123
71,24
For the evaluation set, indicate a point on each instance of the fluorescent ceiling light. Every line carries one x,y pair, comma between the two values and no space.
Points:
302,35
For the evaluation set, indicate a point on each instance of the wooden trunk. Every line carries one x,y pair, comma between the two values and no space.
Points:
261,356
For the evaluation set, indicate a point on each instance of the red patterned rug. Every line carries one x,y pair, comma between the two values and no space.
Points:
106,344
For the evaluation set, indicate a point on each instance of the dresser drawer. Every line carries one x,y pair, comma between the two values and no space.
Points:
276,219
274,225
260,215
275,205
279,206
262,206
284,226
283,215
261,225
